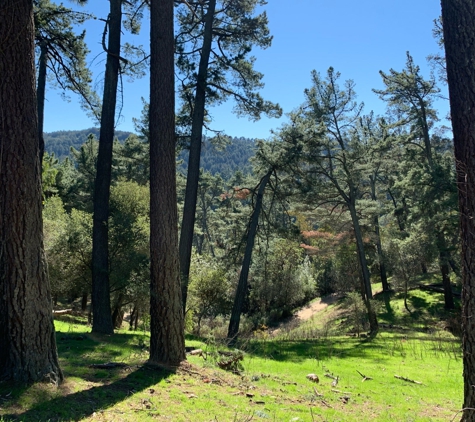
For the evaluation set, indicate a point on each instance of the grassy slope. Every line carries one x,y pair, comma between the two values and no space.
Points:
273,384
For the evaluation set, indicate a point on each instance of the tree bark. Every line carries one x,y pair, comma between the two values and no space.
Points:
27,340
192,179
167,338
241,290
101,306
458,18
41,92
373,322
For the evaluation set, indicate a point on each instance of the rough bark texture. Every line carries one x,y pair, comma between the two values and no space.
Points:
241,290
167,338
459,36
192,179
27,340
41,92
101,307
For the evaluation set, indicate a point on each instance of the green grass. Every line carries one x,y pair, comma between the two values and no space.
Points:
272,384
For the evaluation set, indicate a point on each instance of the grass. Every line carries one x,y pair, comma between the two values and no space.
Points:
272,384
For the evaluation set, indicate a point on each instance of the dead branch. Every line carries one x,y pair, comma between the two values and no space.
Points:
407,379
109,365
63,312
364,376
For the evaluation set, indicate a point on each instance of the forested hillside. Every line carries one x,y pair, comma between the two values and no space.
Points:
224,161
60,142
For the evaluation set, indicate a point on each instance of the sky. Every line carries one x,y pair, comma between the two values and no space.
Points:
357,38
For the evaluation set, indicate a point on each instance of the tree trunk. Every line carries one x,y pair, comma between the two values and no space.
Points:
444,270
84,301
41,92
364,268
459,38
102,319
27,340
192,179
379,248
241,290
382,262
167,330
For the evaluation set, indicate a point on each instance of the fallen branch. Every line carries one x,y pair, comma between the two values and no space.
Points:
317,393
109,365
407,379
63,312
364,376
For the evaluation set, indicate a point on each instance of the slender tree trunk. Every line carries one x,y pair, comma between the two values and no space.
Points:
41,93
191,192
102,319
364,268
382,261
379,248
27,340
444,270
459,38
167,329
84,301
241,290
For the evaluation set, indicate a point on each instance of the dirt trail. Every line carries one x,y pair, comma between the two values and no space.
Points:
306,313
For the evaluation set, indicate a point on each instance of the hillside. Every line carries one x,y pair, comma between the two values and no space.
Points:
61,141
225,162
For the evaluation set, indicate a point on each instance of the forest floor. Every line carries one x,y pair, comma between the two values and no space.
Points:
411,371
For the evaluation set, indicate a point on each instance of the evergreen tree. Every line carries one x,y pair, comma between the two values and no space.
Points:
427,172
28,346
167,332
62,52
224,31
458,18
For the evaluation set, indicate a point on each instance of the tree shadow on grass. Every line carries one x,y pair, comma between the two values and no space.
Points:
82,404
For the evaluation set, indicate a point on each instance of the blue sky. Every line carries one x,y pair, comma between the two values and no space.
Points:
357,38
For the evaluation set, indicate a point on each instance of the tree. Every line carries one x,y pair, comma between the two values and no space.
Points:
459,38
427,174
214,71
167,331
333,159
102,320
101,307
63,53
28,347
240,294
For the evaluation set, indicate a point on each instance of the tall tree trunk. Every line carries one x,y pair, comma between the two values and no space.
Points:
444,270
41,93
458,18
102,318
382,261
379,247
241,290
363,267
167,329
27,340
192,179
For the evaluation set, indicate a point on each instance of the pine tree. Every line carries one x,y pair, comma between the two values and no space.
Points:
458,18
167,332
28,347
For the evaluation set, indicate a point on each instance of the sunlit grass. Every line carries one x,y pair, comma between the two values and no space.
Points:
272,384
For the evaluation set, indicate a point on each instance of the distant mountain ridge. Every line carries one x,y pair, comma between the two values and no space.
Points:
60,142
226,162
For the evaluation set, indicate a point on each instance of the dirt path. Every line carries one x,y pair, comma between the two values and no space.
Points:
306,313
